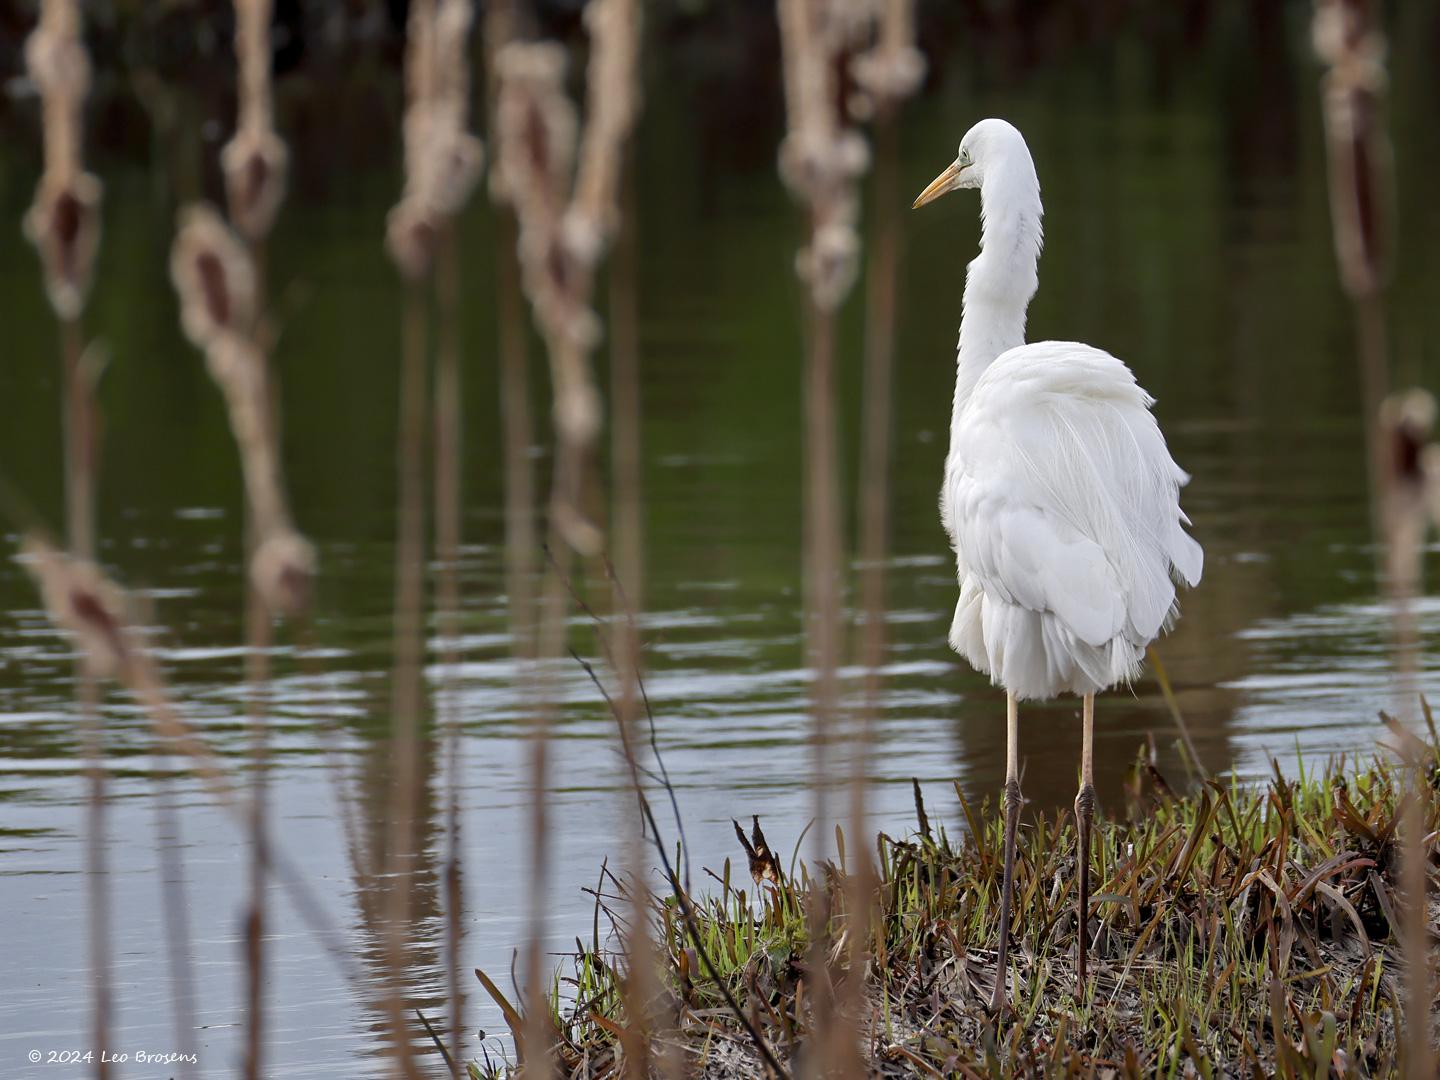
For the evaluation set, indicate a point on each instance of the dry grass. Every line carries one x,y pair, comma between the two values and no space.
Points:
1236,930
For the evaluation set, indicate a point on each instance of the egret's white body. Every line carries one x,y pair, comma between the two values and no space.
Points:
1060,497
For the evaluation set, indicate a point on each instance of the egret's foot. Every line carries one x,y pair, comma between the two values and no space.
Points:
999,999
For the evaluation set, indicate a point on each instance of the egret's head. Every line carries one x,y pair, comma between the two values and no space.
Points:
989,146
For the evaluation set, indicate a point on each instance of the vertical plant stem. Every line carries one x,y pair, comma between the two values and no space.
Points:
405,704
258,640
1402,427
535,141
519,438
642,984
822,572
170,844
79,418
257,679
79,426
882,282
552,617
1350,40
447,543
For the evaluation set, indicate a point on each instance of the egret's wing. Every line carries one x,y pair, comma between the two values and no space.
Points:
1064,498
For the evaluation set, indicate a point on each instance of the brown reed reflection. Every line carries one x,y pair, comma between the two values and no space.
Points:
566,219
821,158
1349,40
888,73
442,165
64,225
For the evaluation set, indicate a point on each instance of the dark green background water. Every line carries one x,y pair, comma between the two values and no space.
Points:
1186,231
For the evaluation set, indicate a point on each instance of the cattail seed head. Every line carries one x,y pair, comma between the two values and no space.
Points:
535,128
64,225
283,571
830,263
1347,37
214,277
255,163
81,601
1408,418
410,237
443,161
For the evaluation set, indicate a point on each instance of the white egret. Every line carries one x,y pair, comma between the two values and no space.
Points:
1060,496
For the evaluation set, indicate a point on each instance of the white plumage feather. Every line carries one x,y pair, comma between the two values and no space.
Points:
1060,496
1063,506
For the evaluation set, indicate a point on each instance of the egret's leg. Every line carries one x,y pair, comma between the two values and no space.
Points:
1084,813
998,1000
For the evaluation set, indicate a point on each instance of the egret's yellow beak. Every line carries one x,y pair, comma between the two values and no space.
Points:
947,181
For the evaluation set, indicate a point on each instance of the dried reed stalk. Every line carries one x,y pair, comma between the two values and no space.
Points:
534,141
442,164
1350,42
1405,423
821,158
254,163
214,276
64,225
447,547
564,225
169,845
255,160
519,434
651,1019
886,74
217,277
452,33
410,238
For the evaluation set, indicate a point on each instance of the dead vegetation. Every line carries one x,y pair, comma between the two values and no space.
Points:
1236,930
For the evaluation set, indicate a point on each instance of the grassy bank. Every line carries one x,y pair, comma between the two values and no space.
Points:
1236,930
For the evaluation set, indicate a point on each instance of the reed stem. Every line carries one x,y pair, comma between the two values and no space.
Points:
448,459
406,703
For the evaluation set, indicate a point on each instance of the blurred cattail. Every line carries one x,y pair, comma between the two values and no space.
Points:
613,95
535,128
565,223
443,160
215,279
80,600
64,221
885,75
821,159
64,225
1406,422
282,570
820,156
255,159
1348,38
892,69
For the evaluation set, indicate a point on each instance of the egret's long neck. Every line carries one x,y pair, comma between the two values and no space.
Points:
1002,278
